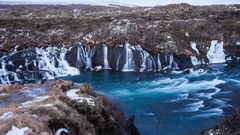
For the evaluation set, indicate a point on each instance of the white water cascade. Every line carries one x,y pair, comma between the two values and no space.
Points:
129,63
6,75
105,57
194,47
216,52
52,60
195,61
84,57
159,64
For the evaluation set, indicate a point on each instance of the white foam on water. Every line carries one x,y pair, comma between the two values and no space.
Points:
216,52
149,114
168,86
209,95
185,86
209,113
193,107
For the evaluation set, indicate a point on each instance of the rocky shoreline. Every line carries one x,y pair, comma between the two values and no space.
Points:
63,108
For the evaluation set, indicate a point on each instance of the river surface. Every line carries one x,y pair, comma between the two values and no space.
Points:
171,103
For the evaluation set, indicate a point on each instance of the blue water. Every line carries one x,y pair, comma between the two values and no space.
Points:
172,103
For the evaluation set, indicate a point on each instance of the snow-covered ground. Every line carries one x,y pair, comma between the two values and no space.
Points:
120,2
17,131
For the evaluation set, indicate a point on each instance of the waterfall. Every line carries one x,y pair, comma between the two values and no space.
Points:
119,55
216,52
159,62
194,47
52,60
78,62
144,56
195,61
105,57
129,63
4,78
84,57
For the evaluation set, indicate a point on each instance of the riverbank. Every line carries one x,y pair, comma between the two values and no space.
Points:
62,107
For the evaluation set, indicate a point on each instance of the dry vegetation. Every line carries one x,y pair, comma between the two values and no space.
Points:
59,111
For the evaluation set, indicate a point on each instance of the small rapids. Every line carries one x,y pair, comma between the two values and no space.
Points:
171,103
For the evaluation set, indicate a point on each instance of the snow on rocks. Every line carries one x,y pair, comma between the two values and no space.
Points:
80,97
216,52
31,102
6,115
17,131
238,43
61,130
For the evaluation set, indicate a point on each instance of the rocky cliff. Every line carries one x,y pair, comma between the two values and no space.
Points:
63,40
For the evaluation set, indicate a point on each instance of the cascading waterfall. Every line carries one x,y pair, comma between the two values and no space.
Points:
144,56
159,64
129,65
105,57
6,77
84,57
195,61
52,60
216,52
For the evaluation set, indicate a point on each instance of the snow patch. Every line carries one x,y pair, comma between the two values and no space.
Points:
30,103
6,115
17,131
80,98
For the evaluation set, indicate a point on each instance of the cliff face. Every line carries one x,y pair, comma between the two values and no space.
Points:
60,107
63,40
